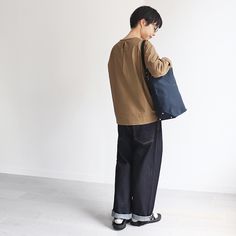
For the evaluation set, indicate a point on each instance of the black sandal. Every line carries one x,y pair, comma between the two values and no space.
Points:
121,225
153,219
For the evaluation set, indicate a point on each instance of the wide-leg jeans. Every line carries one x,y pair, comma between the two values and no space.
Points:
138,163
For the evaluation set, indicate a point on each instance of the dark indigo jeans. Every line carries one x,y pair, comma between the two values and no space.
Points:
139,156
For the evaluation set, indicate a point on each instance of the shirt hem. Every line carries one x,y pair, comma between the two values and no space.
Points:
137,122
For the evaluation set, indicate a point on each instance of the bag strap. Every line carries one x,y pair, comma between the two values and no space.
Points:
142,54
146,71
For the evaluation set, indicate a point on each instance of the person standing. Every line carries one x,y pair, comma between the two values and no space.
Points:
139,144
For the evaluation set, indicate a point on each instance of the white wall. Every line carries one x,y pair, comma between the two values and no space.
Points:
199,147
56,111
57,117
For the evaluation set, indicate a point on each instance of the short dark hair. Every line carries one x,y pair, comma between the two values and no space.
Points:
148,13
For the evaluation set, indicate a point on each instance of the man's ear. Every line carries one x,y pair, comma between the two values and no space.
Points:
143,22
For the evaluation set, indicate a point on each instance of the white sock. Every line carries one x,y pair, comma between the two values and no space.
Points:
155,215
118,221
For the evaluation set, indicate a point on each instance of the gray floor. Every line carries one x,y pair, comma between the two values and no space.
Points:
33,206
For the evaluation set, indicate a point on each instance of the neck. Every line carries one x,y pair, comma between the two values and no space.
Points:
134,33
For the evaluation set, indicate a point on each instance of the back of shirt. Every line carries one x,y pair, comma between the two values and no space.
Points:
131,98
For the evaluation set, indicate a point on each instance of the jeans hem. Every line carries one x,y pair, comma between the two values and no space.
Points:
129,216
141,218
121,215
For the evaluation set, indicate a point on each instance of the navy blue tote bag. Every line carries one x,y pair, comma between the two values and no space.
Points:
164,91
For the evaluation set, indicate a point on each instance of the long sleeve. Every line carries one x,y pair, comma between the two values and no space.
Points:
157,66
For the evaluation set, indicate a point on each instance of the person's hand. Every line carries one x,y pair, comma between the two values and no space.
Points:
167,59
